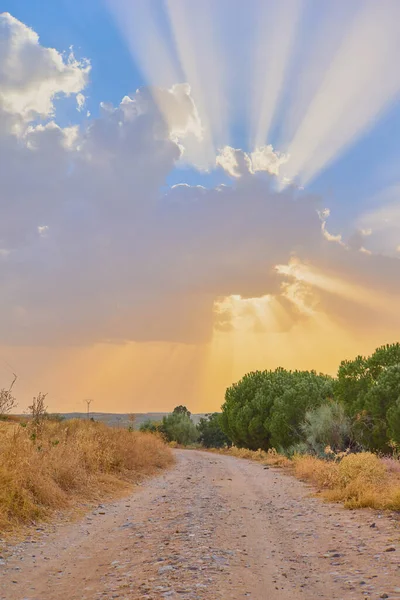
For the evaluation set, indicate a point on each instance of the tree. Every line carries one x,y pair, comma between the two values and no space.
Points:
245,411
303,391
181,410
266,408
210,432
179,427
369,390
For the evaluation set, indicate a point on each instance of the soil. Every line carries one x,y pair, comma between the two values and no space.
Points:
212,527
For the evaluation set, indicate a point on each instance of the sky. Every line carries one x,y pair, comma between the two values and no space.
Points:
190,190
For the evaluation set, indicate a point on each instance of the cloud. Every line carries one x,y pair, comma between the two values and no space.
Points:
96,248
382,222
80,102
237,163
32,76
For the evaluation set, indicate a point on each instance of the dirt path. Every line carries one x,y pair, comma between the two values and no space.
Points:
213,527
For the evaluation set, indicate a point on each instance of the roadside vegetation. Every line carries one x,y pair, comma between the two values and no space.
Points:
342,434
299,412
48,465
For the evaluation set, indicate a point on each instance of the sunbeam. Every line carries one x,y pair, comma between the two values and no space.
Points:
202,64
147,40
358,84
272,50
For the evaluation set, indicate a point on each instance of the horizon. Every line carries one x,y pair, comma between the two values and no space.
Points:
192,194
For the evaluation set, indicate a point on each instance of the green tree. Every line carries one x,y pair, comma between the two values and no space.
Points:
179,427
210,432
181,410
369,390
393,419
266,408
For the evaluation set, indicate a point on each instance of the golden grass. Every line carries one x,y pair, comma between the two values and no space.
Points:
356,480
271,457
68,462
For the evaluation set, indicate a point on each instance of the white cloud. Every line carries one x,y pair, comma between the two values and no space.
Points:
32,76
237,163
80,102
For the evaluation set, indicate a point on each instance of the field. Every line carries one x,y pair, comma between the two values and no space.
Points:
53,465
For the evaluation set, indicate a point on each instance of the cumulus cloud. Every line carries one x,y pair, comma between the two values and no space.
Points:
32,76
237,163
95,247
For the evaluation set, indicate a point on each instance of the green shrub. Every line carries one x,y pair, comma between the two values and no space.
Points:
179,427
327,425
210,432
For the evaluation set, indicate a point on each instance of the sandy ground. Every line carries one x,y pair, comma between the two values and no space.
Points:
212,527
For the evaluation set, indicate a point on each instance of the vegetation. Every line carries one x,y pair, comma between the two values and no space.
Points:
302,411
178,427
266,409
327,426
210,432
369,388
49,466
7,400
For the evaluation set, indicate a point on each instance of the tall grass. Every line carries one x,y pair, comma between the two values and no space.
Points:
358,480
51,467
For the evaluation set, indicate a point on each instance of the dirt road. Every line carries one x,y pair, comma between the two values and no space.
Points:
213,527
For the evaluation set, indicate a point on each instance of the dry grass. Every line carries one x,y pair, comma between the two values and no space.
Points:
53,467
271,457
357,480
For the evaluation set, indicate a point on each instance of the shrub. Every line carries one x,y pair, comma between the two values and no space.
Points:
358,480
150,426
326,425
7,399
179,427
210,432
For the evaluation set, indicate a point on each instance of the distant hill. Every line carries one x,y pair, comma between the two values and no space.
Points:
122,420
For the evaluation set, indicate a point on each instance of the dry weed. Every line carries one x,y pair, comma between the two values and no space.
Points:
69,461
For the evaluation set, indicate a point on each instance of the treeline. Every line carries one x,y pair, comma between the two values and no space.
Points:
303,411
178,427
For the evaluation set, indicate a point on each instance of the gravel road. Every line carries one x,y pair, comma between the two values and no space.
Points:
212,527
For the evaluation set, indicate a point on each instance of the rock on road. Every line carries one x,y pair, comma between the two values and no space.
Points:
212,527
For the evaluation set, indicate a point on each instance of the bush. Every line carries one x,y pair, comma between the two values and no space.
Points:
179,427
210,432
7,399
358,480
150,426
327,425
